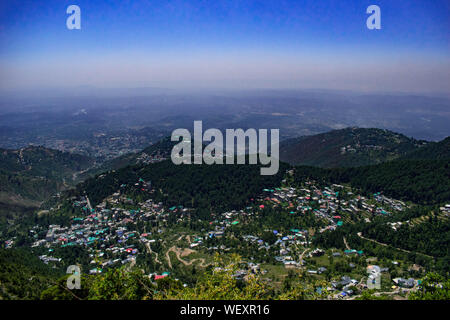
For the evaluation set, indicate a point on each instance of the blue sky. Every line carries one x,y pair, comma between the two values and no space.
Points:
227,43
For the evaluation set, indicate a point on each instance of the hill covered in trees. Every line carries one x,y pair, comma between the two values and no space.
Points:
348,147
29,176
432,151
40,161
204,187
23,275
35,172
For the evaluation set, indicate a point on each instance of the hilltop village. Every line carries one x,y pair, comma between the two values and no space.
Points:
121,231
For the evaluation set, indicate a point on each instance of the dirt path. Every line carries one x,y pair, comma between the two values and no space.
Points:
346,244
183,253
301,256
149,249
387,245
89,204
168,257
377,294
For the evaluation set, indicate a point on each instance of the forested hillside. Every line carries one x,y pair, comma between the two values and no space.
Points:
348,147
23,275
432,151
42,162
203,187
34,173
31,175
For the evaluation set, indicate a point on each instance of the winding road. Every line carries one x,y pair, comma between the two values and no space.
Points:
185,252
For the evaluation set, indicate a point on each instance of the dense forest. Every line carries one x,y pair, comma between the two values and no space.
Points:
432,151
23,275
349,147
431,236
27,187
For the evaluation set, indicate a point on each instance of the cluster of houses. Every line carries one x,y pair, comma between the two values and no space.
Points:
393,203
326,204
405,283
9,243
107,231
282,245
145,158
330,203
396,225
446,209
246,268
345,287
46,259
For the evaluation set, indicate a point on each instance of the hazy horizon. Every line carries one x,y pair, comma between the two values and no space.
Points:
227,45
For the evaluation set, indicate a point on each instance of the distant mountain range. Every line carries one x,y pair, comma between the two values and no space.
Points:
353,147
